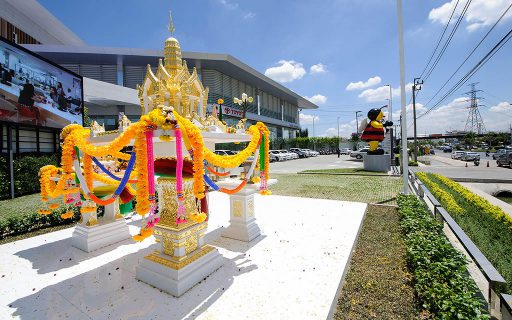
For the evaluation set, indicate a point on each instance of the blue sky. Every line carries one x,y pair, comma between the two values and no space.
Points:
318,48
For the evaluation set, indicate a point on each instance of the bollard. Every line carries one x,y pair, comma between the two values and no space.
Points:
466,164
487,163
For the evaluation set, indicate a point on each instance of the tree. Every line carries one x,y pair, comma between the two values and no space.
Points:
470,139
354,139
303,133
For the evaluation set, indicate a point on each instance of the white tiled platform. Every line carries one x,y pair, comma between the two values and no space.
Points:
292,271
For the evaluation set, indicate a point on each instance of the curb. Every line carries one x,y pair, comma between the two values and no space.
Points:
349,174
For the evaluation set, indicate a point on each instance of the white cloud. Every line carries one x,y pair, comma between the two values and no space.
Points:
453,116
318,68
249,15
308,118
502,106
346,130
330,132
317,99
228,4
480,13
362,85
380,94
286,71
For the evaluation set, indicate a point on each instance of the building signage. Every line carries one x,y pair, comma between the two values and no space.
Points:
227,111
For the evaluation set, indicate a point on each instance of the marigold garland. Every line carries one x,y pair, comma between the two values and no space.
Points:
141,164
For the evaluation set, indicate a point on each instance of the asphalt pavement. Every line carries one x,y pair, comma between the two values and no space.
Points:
321,162
442,163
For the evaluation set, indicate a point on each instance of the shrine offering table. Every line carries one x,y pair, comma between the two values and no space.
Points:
242,222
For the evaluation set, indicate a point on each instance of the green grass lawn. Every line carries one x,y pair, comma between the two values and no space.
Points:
344,171
378,189
378,284
25,204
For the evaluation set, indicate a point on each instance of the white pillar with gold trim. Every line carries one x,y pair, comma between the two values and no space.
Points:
182,259
92,233
242,223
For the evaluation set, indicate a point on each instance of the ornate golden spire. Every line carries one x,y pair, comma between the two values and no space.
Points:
172,50
170,26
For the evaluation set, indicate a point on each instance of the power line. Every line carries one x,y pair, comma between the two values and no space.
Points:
471,72
470,54
459,20
440,39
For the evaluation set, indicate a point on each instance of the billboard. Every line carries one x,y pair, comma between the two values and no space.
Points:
36,91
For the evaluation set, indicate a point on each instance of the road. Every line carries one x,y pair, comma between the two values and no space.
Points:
443,164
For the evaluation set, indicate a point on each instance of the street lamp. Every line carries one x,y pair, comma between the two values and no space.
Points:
390,117
357,121
243,103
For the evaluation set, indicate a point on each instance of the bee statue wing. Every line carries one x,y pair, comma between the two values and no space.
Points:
363,124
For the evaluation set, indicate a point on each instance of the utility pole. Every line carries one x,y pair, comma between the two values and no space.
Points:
391,135
405,173
338,123
415,87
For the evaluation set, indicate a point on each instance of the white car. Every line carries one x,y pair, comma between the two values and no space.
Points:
345,151
312,153
293,155
279,156
359,153
287,154
457,154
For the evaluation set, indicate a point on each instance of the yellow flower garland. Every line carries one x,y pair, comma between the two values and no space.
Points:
141,164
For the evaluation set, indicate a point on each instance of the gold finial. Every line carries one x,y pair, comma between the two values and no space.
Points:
170,26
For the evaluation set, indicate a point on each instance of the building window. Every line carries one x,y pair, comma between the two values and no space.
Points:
12,33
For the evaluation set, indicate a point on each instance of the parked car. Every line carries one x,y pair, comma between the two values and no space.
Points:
498,153
359,153
279,156
225,152
345,151
447,149
505,159
300,152
312,153
457,154
291,155
272,157
470,156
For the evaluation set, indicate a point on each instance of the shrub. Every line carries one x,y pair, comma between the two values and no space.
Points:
439,270
445,198
477,201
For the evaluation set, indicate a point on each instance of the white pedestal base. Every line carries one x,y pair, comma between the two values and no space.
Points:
98,236
159,272
242,223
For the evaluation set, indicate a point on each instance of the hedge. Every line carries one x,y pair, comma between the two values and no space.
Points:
26,170
441,280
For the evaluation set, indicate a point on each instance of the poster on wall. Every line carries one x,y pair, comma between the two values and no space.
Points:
36,91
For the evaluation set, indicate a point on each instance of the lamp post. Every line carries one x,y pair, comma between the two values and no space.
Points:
338,123
357,121
220,102
390,117
403,123
243,103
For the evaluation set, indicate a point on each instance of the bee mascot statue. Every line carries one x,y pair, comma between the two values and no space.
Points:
374,129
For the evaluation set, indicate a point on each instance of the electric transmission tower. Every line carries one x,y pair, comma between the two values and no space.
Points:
474,123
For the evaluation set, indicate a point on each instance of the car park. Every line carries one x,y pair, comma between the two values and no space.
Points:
359,153
457,154
470,156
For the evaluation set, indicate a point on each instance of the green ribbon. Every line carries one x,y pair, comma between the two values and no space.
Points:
262,153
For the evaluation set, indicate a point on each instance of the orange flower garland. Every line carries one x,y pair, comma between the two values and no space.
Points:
88,172
141,164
